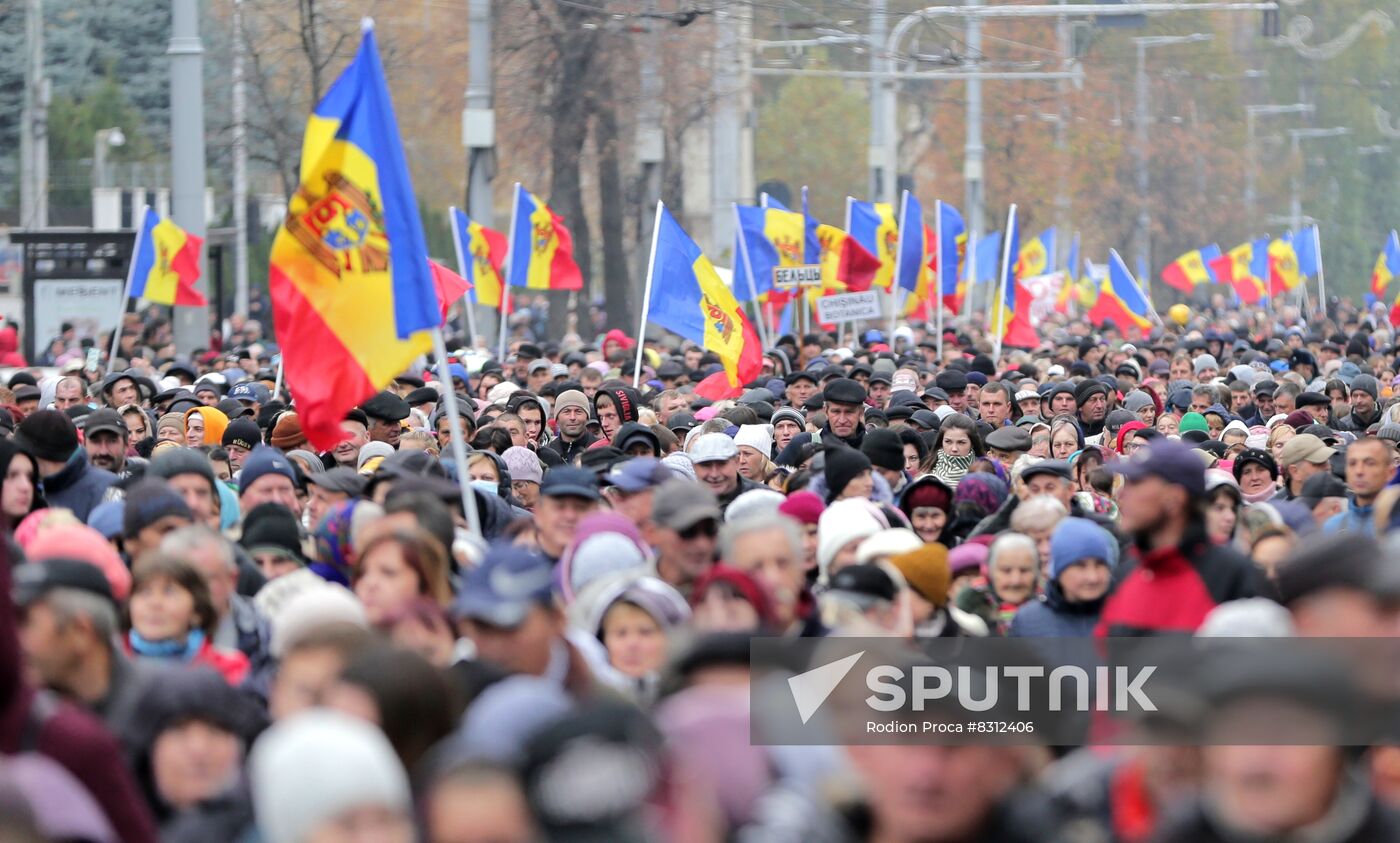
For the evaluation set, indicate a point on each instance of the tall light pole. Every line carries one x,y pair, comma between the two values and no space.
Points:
1296,138
1142,241
34,131
479,125
239,108
187,174
1251,171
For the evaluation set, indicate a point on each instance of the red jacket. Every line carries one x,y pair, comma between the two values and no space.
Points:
1171,590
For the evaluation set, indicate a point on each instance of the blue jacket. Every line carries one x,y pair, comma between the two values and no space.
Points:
77,486
1353,519
1052,616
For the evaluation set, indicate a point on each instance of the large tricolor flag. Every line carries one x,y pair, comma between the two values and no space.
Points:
481,252
949,256
846,266
875,227
1308,246
1387,265
765,238
541,248
1011,309
352,293
686,296
1122,301
1192,269
1236,268
164,263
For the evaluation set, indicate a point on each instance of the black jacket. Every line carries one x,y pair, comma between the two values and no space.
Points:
790,454
569,452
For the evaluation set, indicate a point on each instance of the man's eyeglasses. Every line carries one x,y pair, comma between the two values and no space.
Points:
707,527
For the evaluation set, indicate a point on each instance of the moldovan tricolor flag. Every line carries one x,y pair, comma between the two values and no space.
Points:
875,227
688,297
541,247
352,293
949,255
1122,300
1283,266
846,266
764,239
1011,312
165,262
914,246
1387,265
1235,268
481,252
1037,255
1191,269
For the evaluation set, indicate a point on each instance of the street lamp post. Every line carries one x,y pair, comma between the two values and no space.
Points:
102,139
1296,137
1251,170
1143,240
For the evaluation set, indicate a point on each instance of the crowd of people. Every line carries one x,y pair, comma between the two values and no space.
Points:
212,631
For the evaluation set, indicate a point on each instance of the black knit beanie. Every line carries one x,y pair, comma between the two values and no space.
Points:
48,435
884,448
843,464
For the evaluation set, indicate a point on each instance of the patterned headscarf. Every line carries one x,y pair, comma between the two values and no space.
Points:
335,557
981,489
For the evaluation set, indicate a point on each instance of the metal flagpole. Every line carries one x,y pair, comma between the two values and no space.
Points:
646,294
842,326
898,265
459,447
1321,276
505,271
281,365
126,291
753,289
938,296
999,305
467,304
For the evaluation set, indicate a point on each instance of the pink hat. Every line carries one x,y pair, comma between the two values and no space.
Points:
803,506
967,558
80,542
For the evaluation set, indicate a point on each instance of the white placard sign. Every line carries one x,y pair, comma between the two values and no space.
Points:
845,307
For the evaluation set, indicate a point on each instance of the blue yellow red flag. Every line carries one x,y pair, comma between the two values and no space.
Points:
1037,256
1122,301
481,252
1191,269
1283,266
165,263
911,258
766,238
950,254
1236,268
1307,246
541,255
687,297
352,293
1010,312
987,256
846,266
875,227
1387,264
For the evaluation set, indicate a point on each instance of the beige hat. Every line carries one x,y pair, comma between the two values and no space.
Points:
1305,447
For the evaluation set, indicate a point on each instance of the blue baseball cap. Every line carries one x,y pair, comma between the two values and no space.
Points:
636,475
1175,462
251,391
508,582
568,482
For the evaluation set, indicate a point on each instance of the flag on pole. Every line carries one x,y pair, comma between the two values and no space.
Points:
1191,270
1011,311
1283,266
988,253
1236,268
1121,300
1305,248
846,266
1036,256
352,293
771,238
874,226
950,253
165,262
448,285
1387,265
541,247
689,298
913,245
483,254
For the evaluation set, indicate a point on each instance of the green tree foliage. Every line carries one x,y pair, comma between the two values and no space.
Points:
814,131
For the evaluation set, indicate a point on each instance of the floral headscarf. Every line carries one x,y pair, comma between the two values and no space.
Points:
335,557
